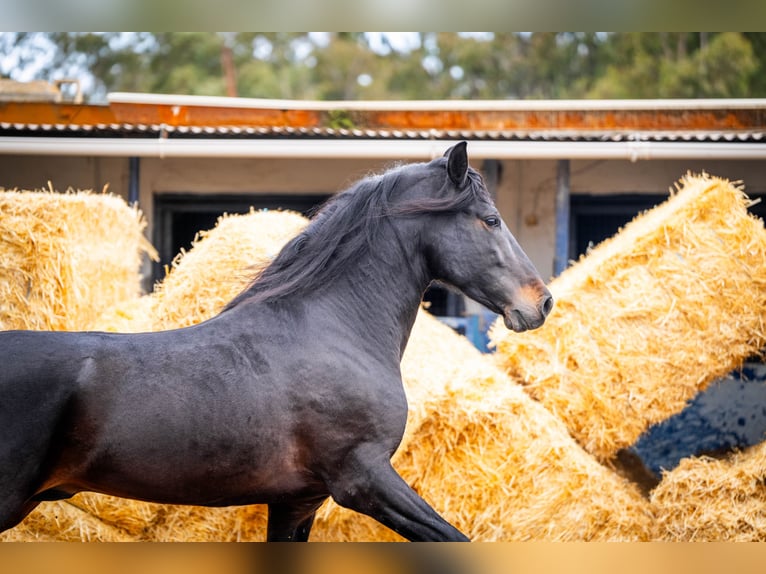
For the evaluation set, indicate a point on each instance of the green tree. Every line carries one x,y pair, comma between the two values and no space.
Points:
682,65
723,68
345,66
274,65
758,80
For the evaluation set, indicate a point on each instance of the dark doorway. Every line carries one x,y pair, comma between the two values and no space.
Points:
594,218
179,217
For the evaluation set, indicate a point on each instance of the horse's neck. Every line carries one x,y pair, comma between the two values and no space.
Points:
380,296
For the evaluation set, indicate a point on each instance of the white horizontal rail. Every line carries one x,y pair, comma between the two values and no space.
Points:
376,149
439,105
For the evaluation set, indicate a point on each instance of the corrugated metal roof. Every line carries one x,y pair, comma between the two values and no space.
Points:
185,117
242,132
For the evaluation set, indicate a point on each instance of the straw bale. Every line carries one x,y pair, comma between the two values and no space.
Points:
198,284
90,516
648,318
200,524
66,257
134,517
709,500
146,521
63,522
220,263
202,280
130,316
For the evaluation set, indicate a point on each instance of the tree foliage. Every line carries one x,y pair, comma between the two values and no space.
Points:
355,65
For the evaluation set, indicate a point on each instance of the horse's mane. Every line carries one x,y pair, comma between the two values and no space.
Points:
344,228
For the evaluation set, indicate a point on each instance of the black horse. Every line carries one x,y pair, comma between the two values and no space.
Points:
290,395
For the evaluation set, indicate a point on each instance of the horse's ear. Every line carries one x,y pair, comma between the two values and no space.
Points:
457,163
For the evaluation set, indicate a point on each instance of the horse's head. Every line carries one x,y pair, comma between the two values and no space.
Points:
470,247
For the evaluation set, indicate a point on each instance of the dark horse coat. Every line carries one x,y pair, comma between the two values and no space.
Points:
290,395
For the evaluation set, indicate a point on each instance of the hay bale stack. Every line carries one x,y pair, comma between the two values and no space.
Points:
649,318
90,516
201,281
201,524
134,315
492,461
221,262
63,522
133,517
709,500
66,257
145,521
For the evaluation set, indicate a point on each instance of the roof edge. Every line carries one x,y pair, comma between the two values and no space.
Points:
376,149
435,105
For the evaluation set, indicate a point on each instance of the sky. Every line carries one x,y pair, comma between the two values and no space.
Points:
10,60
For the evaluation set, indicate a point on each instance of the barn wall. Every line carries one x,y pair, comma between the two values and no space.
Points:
248,176
527,189
34,172
525,193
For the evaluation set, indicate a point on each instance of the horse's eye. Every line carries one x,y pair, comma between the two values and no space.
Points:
492,221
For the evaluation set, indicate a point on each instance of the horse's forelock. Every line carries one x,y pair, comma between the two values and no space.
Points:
446,200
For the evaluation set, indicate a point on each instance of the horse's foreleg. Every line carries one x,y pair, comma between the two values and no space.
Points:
375,489
292,522
20,461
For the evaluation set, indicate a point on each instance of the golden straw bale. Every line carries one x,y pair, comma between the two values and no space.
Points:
198,284
133,517
648,318
709,500
221,261
200,524
492,461
202,280
63,522
89,516
134,315
66,257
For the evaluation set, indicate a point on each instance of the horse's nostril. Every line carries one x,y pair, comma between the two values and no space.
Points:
547,306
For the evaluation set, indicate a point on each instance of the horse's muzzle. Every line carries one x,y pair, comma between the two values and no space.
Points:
525,317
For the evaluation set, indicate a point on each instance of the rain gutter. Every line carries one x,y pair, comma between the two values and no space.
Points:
358,148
